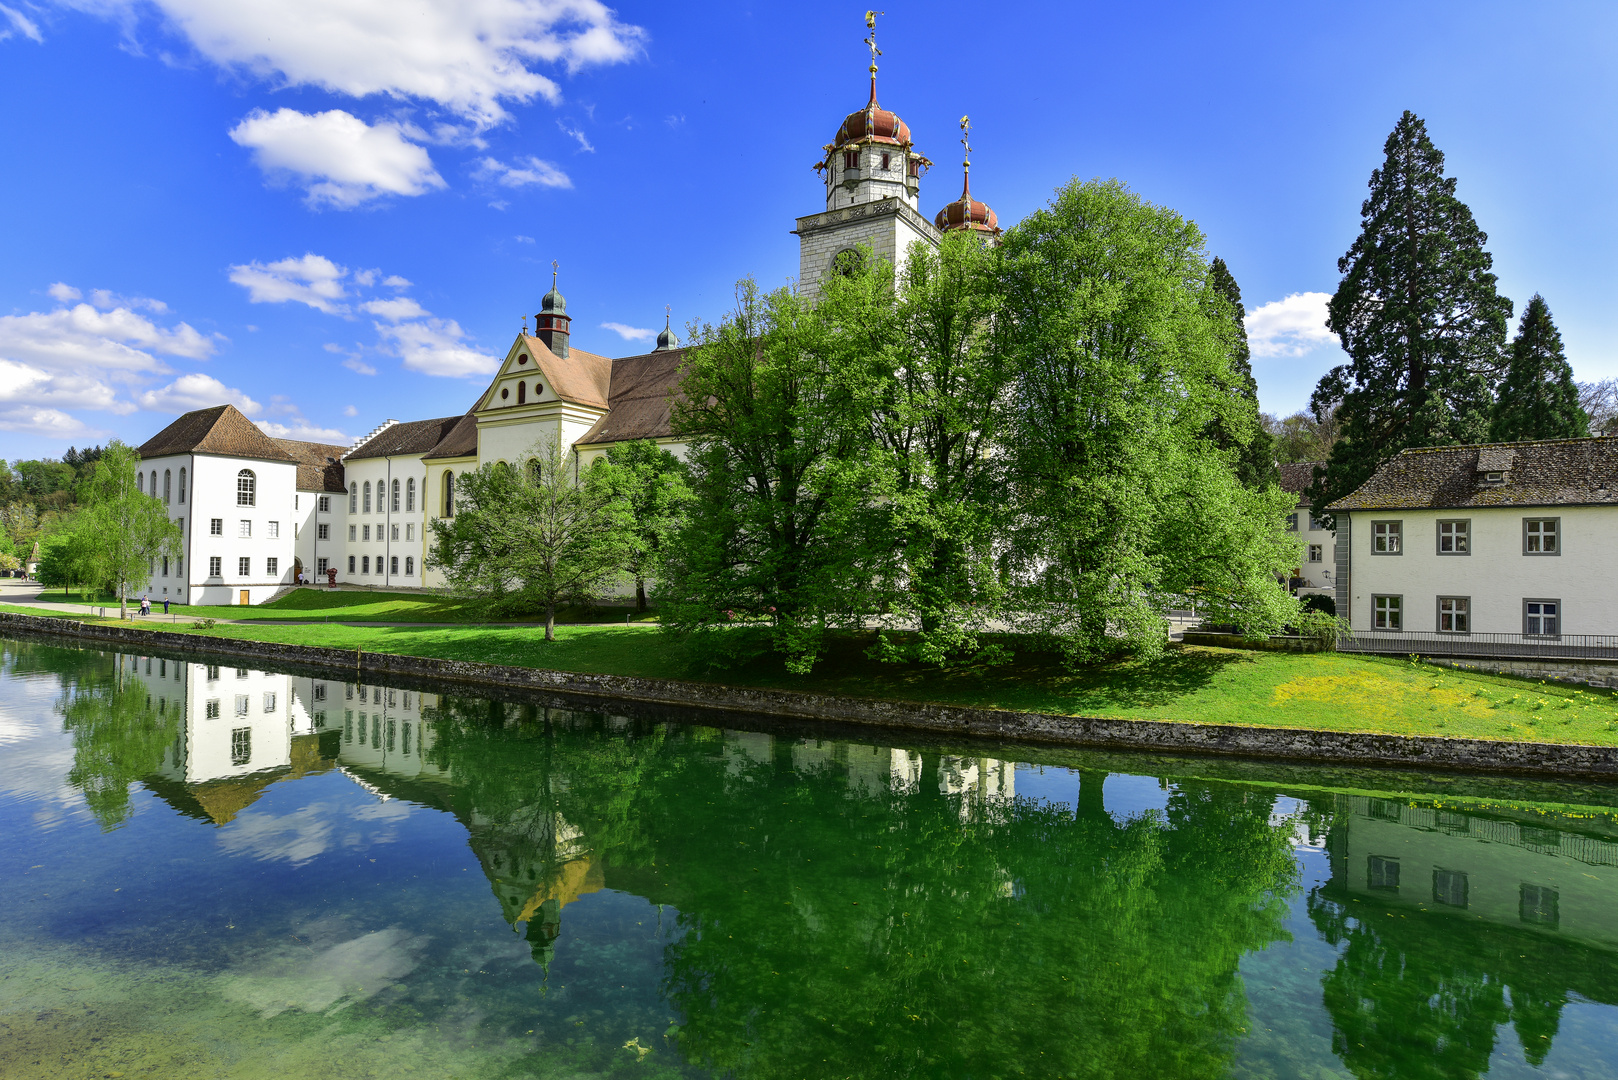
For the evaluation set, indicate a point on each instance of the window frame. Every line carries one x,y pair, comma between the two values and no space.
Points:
246,488
1317,553
272,566
1394,527
410,495
1465,614
393,498
216,566
1397,609
1292,522
353,497
1556,534
1446,896
1386,862
216,526
323,505
1465,535
1557,615
244,566
244,529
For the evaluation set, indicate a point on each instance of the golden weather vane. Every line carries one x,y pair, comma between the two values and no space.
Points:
966,147
870,24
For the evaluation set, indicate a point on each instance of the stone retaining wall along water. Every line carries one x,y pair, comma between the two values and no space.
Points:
1422,752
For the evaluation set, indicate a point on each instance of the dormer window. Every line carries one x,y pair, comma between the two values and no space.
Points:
1494,478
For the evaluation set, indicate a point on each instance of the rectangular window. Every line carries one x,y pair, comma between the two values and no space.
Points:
1454,615
1315,523
325,504
241,704
410,532
165,566
1538,904
321,565
272,529
1539,536
179,523
1542,618
393,533
410,566
1449,888
269,701
320,691
213,672
1382,873
367,533
241,673
244,566
351,533
1386,536
179,566
1317,553
351,564
1387,612
244,529
214,567
211,709
1454,537
272,567
216,526
241,746
323,531
297,500
1292,523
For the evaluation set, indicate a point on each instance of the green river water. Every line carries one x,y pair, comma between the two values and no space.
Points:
215,872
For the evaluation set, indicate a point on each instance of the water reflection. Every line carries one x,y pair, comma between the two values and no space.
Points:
741,903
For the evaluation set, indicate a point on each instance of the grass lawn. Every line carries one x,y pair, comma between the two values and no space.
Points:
1325,691
319,605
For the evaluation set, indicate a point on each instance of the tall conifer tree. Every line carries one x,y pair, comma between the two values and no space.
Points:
1255,463
1538,399
1418,315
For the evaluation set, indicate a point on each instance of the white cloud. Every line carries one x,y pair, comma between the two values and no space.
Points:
303,431
349,410
355,364
521,239
50,423
530,171
584,142
394,281
395,310
629,333
436,347
313,279
196,391
467,56
19,24
64,292
1290,327
341,160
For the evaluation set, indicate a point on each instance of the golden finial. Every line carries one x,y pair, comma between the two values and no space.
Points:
870,24
966,147
525,324
555,266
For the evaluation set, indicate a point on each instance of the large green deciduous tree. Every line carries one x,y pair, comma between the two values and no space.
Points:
1122,348
774,537
127,530
1538,398
1419,317
530,537
1255,458
648,483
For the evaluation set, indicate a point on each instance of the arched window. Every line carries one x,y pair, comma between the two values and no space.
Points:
410,494
394,505
366,563
246,488
182,485
410,566
353,500
393,564
449,493
140,482
535,473
367,490
522,392
154,483
168,480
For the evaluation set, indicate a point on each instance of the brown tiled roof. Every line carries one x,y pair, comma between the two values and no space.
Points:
221,430
581,377
1553,472
320,465
412,437
461,440
641,398
1297,477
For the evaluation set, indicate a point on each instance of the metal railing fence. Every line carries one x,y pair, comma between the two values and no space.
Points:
1481,646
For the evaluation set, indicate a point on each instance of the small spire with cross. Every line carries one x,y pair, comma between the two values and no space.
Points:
870,24
555,266
668,314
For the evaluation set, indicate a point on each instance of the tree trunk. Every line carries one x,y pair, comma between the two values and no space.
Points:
123,600
640,594
550,622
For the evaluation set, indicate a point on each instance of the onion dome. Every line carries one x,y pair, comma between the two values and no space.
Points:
967,213
666,339
553,301
873,124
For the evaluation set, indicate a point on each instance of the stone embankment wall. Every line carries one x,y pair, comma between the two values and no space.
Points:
1419,752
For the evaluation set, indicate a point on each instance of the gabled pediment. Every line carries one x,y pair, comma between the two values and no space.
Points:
532,375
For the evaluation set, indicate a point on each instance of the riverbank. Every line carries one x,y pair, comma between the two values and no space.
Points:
1363,710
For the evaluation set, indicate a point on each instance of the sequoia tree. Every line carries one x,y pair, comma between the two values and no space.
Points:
1538,399
1417,313
1255,460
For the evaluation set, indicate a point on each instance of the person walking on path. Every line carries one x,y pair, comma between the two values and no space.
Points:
165,605
145,605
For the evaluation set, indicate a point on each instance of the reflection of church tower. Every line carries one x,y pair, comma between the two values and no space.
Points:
966,214
873,182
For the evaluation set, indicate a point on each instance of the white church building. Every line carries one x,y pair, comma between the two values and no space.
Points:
255,511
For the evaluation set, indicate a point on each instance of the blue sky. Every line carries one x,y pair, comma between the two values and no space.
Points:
332,212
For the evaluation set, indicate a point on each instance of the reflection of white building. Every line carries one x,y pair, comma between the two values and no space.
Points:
382,728
1508,872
